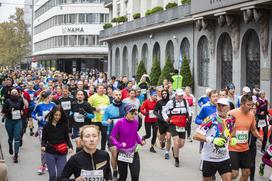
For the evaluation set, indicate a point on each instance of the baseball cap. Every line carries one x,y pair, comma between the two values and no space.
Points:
130,108
153,93
230,86
246,89
223,101
179,92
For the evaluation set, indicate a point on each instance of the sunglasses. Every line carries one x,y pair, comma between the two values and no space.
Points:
133,112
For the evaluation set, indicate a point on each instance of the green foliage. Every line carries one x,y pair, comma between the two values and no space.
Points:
140,70
171,5
154,10
186,73
166,71
119,19
14,39
107,25
185,1
155,72
136,15
114,20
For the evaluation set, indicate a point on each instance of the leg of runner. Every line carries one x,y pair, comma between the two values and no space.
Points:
17,137
188,130
61,161
253,152
113,151
245,174
154,134
51,164
265,133
122,167
148,135
135,167
103,130
31,126
226,176
178,143
9,128
168,145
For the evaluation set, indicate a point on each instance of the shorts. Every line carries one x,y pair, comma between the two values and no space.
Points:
163,127
240,160
173,131
209,169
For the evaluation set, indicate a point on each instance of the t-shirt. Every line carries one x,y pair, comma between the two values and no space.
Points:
243,125
214,126
101,102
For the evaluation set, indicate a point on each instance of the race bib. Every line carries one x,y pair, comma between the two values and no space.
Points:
79,118
219,153
143,91
44,113
151,114
261,123
180,129
242,136
126,157
31,97
66,105
176,111
16,114
92,175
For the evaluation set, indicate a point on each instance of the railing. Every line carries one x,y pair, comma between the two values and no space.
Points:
175,13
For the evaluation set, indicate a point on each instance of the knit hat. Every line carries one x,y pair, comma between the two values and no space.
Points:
129,108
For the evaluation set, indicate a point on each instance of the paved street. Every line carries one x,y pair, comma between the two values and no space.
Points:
153,166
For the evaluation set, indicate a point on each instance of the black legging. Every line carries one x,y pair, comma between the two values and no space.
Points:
103,130
265,133
148,127
188,127
134,168
253,152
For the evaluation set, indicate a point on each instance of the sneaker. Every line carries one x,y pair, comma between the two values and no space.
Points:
15,159
152,150
176,162
189,139
166,156
41,170
261,169
115,175
45,168
10,150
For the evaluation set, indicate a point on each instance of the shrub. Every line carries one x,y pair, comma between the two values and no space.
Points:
185,1
185,72
156,9
148,12
121,19
107,25
171,5
155,72
166,71
141,70
136,15
114,20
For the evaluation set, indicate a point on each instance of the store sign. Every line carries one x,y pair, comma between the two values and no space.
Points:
198,6
72,30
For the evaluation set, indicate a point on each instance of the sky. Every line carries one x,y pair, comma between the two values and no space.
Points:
8,9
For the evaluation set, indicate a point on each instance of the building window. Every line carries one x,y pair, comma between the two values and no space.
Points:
81,40
65,40
203,62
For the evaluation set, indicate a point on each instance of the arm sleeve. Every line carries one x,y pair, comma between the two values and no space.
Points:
34,113
199,118
6,108
114,134
199,102
167,107
139,139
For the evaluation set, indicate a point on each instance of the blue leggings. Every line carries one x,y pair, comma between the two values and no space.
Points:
55,165
14,129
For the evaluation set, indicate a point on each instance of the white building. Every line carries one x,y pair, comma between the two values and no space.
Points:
66,34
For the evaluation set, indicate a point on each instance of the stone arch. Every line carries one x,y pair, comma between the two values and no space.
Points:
134,59
169,52
156,52
117,62
145,54
203,61
125,69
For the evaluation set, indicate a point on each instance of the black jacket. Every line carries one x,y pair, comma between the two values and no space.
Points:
100,160
76,107
16,104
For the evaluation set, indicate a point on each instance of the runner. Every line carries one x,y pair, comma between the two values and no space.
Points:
90,163
151,120
125,137
55,140
266,160
180,112
246,90
223,93
215,132
165,135
244,123
205,98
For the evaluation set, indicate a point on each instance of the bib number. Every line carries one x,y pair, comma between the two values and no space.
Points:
242,136
151,114
143,91
180,129
79,118
16,114
126,157
92,175
219,153
66,105
261,123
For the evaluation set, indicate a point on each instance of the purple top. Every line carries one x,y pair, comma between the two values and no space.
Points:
125,131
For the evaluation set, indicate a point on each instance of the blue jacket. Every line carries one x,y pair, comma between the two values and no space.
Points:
205,111
203,100
40,112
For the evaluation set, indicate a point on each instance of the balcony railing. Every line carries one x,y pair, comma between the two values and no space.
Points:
178,12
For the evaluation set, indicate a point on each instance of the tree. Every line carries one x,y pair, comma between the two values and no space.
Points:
166,71
186,73
140,70
155,72
14,39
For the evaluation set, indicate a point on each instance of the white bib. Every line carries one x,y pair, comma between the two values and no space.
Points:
92,175
66,105
79,118
126,157
180,129
143,91
16,114
242,136
261,123
219,153
151,114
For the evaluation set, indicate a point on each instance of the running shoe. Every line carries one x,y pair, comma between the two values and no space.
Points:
15,159
41,170
166,156
176,162
45,168
261,169
10,150
152,150
189,139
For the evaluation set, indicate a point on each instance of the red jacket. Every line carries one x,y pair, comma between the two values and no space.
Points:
147,109
124,93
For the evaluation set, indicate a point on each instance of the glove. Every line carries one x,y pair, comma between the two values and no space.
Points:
233,141
219,141
82,111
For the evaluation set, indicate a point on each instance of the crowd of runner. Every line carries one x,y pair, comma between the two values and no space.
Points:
92,109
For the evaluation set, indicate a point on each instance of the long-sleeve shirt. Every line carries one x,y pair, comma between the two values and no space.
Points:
101,102
182,109
147,109
206,110
203,100
55,135
125,131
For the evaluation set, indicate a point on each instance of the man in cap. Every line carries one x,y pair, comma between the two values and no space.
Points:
216,133
180,112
